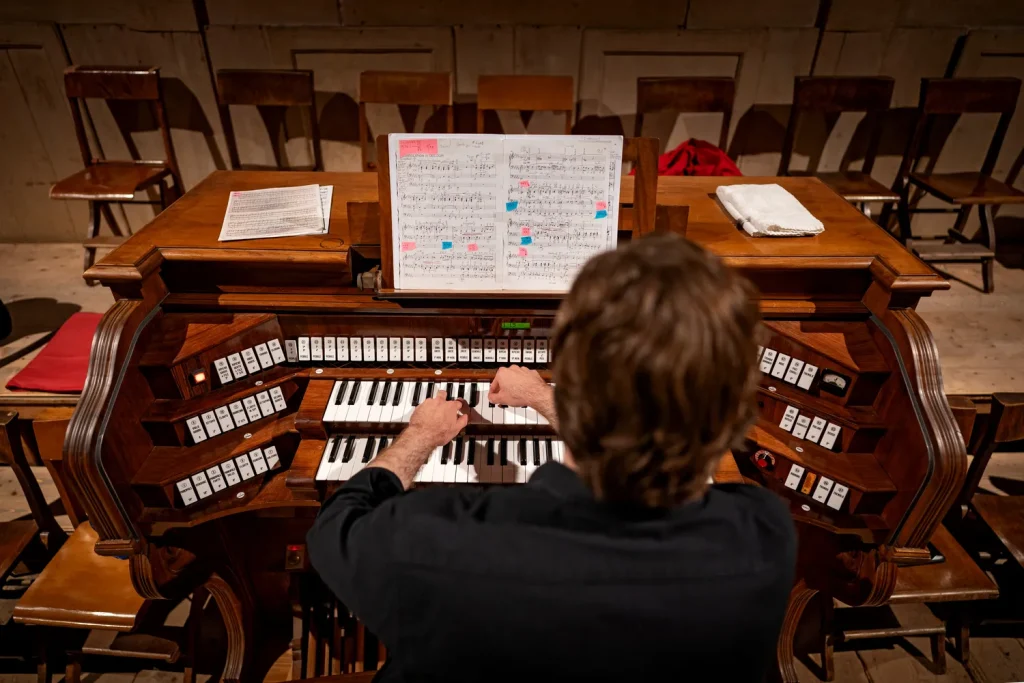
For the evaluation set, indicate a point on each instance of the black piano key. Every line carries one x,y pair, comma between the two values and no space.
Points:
445,452
448,391
349,447
373,392
376,450
340,398
460,389
384,443
536,453
429,393
522,453
457,453
399,386
386,393
334,449
490,452
471,452
355,392
473,394
504,453
416,392
547,451
368,449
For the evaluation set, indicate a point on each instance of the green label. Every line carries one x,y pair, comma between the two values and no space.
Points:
515,326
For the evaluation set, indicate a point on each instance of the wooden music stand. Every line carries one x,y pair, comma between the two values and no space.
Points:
641,152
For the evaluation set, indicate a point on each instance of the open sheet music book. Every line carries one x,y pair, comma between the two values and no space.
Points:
501,212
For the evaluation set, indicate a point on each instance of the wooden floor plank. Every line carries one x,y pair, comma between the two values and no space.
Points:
907,660
997,660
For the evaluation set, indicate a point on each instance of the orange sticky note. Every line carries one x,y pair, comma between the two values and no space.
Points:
602,206
408,246
522,251
417,146
472,247
526,230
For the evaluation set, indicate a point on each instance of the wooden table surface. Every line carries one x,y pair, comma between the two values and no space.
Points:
188,229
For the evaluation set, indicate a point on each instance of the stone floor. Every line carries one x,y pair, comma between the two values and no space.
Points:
979,338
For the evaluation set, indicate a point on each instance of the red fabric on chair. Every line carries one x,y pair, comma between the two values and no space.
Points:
696,157
61,366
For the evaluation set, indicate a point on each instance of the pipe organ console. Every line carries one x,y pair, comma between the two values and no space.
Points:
233,386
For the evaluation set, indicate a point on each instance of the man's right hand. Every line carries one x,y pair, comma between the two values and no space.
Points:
522,387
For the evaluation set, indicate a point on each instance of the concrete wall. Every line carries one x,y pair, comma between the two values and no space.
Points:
604,44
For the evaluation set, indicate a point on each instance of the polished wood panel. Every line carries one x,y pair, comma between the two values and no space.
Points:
686,95
420,88
525,93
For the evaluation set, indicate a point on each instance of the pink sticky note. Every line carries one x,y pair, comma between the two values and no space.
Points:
526,231
524,183
408,246
417,146
472,247
602,206
522,251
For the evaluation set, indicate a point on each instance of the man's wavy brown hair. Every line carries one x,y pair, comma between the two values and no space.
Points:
655,369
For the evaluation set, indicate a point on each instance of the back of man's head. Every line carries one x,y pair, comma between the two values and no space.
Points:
655,369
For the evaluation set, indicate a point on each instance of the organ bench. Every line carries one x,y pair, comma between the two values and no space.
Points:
233,385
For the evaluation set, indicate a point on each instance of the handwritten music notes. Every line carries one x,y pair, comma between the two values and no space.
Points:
496,212
277,212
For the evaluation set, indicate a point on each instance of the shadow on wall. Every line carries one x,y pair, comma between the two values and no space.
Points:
34,316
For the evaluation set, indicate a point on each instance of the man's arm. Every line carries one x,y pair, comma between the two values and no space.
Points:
522,387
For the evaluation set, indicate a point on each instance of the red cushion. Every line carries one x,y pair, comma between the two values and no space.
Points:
61,366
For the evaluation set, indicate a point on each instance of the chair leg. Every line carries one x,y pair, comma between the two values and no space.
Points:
939,652
91,231
828,637
962,642
903,216
42,660
988,274
111,221
73,670
988,233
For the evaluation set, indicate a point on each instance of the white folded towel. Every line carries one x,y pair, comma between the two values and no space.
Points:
768,211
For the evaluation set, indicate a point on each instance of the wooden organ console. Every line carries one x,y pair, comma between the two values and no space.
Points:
232,386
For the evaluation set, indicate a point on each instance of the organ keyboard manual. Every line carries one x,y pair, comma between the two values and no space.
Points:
232,387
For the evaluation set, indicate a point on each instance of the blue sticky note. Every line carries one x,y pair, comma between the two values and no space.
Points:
601,214
446,245
526,240
511,206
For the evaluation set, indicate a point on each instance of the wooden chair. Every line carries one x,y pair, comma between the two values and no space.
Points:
525,94
697,95
103,182
272,88
831,97
401,87
956,96
39,537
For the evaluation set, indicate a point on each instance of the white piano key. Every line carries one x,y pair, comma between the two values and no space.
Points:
330,349
369,349
230,472
796,473
266,405
223,370
788,418
346,409
263,356
342,445
451,350
815,430
515,350
252,364
807,376
448,468
793,374
530,462
259,464
520,413
277,398
362,404
502,350
529,351
421,349
216,479
355,349
781,363
238,414
303,349
462,349
832,431
404,410
237,365
291,350
835,501
382,350
195,429
803,422
768,360
480,408
462,468
252,408
375,407
388,408
408,350
490,350
531,416
341,345
187,493
325,465
437,350
542,350
273,459
202,485
224,418
210,422
476,350
244,466
276,354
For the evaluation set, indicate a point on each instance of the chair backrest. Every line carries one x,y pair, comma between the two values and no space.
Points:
1005,424
401,87
688,95
525,93
955,96
267,88
118,83
834,95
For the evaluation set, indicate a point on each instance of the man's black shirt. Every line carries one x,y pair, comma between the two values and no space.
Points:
542,582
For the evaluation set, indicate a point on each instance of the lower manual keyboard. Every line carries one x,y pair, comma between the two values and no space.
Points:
466,460
393,400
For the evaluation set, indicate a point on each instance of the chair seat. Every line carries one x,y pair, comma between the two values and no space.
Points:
1004,515
942,252
854,186
80,589
959,578
968,188
109,181
15,536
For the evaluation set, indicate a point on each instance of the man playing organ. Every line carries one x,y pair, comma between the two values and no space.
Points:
617,563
